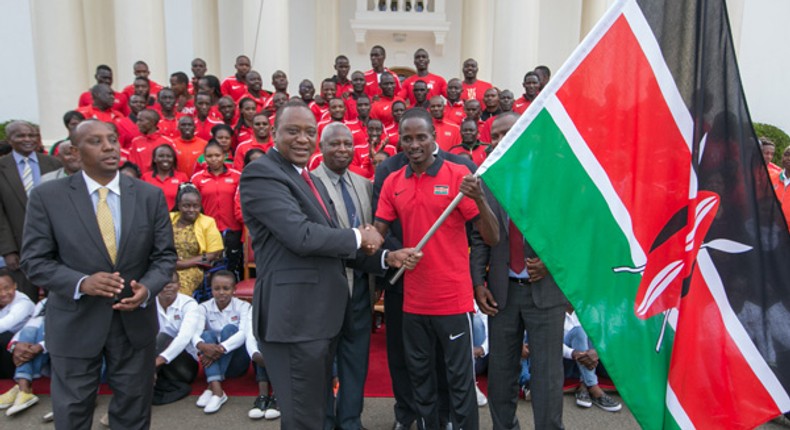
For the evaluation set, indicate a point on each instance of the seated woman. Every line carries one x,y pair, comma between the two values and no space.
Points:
197,239
30,356
221,346
163,173
180,321
15,310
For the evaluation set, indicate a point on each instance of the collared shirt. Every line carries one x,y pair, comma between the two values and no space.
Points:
181,321
236,313
14,315
34,166
113,200
341,205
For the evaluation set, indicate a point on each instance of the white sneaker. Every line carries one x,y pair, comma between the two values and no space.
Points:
258,408
202,401
272,412
481,398
23,401
48,417
215,403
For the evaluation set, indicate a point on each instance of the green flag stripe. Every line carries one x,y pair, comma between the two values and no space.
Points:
561,211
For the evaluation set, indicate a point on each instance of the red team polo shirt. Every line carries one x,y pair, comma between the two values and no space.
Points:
261,102
169,127
437,86
474,91
520,105
372,83
382,110
447,134
217,192
245,147
153,89
454,112
169,185
203,128
478,154
120,103
188,152
231,86
127,130
142,150
441,283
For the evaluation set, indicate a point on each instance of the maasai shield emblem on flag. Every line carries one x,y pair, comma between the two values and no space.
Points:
637,178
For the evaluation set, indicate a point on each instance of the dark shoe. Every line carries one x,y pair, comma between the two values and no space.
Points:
583,398
607,403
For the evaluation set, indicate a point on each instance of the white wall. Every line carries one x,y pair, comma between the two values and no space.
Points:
19,96
764,60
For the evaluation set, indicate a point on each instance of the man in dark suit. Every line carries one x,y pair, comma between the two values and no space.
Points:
350,194
102,244
301,290
20,171
519,294
405,408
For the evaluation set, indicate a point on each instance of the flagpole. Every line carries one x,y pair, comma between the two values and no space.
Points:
434,227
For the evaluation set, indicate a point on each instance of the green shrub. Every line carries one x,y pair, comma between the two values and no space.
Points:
776,135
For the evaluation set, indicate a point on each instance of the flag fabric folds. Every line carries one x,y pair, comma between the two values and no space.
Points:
637,178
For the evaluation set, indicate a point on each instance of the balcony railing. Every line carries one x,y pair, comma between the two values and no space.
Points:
400,17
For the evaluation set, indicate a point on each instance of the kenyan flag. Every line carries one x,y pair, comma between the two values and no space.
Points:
637,178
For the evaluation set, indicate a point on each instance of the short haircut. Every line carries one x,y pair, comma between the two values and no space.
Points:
103,67
544,69
180,77
764,141
70,115
531,73
340,57
151,112
333,127
291,103
383,51
418,113
133,167
142,78
5,273
223,274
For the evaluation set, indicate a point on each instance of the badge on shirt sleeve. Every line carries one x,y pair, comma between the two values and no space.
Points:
441,190
234,318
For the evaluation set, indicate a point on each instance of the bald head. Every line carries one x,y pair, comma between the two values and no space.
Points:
501,125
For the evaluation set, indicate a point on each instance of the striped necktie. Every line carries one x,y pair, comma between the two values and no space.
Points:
106,223
27,175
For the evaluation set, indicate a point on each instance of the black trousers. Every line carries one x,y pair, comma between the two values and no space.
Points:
130,374
233,251
183,368
405,408
7,367
453,334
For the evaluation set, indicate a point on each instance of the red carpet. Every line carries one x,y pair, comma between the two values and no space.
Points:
377,385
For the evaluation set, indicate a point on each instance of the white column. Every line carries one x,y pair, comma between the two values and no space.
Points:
515,45
560,24
205,37
140,35
271,24
477,36
592,11
179,28
326,38
98,25
231,36
61,61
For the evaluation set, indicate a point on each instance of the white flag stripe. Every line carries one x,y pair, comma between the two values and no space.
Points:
676,409
598,175
556,82
738,333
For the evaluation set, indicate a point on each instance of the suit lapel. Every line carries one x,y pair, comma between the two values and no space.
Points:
83,205
332,193
307,193
128,199
10,171
363,199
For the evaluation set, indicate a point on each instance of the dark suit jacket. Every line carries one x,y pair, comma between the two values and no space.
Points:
13,200
301,290
394,239
496,260
62,244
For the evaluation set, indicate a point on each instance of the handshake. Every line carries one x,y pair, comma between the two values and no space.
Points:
372,241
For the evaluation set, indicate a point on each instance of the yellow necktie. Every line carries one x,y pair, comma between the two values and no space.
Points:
106,223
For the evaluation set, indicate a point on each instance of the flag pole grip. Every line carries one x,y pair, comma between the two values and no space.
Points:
430,233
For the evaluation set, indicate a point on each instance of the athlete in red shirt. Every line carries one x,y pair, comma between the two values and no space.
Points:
254,91
473,111
203,122
373,76
222,135
162,173
506,100
531,90
435,309
470,146
544,74
321,107
343,84
199,70
142,148
140,69
382,108
168,121
218,185
261,139
104,76
398,109
436,84
473,88
454,108
378,139
235,85
210,85
447,133
280,82
188,146
101,109
357,91
185,103
490,104
242,131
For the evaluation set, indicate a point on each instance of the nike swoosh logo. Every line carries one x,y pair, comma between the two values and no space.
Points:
397,193
456,336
